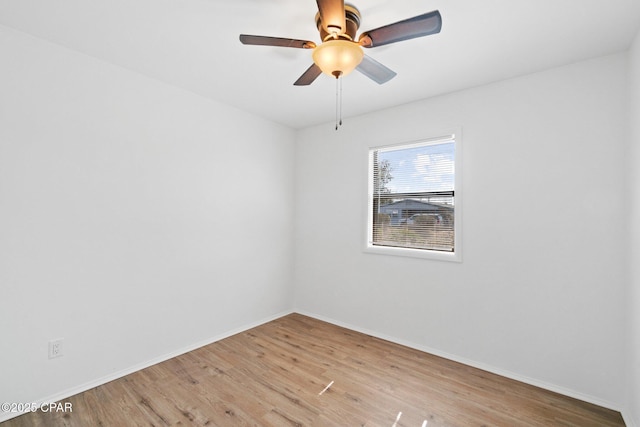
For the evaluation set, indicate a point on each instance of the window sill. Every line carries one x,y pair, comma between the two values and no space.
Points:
414,253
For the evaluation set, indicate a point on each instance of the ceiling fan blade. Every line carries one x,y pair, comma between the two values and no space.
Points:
309,76
375,70
276,41
418,26
332,15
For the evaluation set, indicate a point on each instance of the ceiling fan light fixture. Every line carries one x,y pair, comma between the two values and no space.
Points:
338,57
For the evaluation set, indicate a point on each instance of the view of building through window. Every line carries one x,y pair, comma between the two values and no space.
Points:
413,197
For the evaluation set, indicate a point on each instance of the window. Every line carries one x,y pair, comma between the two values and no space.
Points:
414,201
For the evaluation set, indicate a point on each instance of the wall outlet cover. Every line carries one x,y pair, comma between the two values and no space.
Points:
55,348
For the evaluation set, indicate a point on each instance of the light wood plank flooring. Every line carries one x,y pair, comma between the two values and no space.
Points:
277,375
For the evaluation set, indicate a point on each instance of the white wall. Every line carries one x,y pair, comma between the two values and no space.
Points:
633,308
127,224
136,220
540,291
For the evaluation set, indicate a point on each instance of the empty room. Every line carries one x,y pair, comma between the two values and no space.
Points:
299,213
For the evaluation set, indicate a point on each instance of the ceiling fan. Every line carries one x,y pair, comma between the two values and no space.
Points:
340,52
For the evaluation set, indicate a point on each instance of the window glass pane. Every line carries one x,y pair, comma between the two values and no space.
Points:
413,196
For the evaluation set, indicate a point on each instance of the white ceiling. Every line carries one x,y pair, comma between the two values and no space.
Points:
194,44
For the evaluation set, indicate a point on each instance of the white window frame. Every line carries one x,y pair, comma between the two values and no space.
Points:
456,255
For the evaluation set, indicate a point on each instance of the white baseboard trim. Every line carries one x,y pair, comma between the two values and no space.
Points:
541,384
628,421
4,416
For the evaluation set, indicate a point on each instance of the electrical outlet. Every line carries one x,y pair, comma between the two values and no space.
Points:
55,348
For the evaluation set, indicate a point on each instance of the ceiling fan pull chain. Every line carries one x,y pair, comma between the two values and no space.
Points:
340,101
337,100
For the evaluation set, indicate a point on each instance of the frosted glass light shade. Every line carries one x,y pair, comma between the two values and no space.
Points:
338,57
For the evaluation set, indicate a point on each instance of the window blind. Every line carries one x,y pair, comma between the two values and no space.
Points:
413,197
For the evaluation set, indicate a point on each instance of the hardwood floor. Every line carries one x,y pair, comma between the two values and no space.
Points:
278,375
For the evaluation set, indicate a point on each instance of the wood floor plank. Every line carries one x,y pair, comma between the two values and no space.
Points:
299,371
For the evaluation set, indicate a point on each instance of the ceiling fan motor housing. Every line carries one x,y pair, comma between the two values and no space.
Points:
352,15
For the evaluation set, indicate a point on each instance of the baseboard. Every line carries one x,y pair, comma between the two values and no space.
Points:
541,384
628,420
114,376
